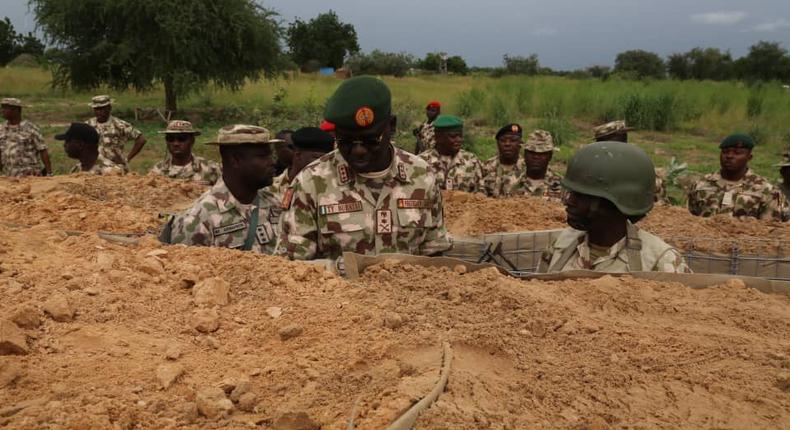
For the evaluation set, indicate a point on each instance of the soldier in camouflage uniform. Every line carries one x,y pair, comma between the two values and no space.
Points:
81,142
537,180
284,151
114,132
617,131
223,216
180,162
603,202
735,189
367,196
784,170
21,144
501,172
425,132
309,144
454,168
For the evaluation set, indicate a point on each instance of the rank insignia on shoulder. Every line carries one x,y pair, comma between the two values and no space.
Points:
339,208
401,172
262,235
287,197
344,174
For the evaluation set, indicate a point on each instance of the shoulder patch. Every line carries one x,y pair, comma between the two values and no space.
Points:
415,204
402,172
343,174
230,228
287,198
340,208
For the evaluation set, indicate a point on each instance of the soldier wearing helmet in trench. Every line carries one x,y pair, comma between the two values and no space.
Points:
603,201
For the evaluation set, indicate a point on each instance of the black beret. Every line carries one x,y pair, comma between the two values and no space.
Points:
80,131
313,139
509,129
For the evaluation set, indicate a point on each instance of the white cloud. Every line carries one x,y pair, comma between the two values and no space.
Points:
721,17
774,25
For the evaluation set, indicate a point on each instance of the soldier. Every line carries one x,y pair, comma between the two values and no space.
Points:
454,168
501,172
617,131
735,189
223,215
367,196
537,180
310,144
425,132
603,202
180,162
21,144
81,142
784,170
284,151
114,132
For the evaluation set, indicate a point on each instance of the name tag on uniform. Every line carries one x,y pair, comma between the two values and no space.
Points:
263,235
230,228
340,208
287,197
726,201
384,221
414,204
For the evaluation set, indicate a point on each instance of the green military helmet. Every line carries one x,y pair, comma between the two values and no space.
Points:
616,171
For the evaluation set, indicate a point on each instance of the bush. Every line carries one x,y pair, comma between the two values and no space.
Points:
381,63
470,101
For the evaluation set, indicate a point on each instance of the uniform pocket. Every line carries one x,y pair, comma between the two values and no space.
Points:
416,218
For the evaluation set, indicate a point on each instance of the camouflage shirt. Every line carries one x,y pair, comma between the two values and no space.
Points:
549,187
113,135
661,189
277,190
463,172
19,149
752,196
426,135
330,210
655,254
199,170
102,166
785,189
499,179
218,219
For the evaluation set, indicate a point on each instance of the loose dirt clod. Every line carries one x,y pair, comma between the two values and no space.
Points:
12,339
27,317
168,373
212,403
205,320
59,308
212,292
295,421
290,331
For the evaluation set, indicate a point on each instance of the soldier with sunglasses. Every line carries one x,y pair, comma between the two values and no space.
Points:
367,196
180,162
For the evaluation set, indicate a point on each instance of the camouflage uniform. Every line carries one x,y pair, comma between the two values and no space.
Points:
783,186
752,196
199,170
499,179
113,135
654,254
276,191
661,189
329,210
462,172
19,149
218,219
102,166
549,187
426,135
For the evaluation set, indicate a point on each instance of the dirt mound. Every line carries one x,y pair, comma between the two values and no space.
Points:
142,336
475,215
94,203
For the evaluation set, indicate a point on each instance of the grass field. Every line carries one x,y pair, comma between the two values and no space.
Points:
673,119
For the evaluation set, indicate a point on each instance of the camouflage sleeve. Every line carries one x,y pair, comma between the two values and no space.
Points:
672,262
190,229
129,131
694,205
157,169
776,207
214,173
436,239
478,176
38,139
299,228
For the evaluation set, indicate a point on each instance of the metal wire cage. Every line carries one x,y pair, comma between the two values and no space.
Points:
520,253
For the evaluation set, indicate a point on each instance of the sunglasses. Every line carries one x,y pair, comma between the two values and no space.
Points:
181,137
370,142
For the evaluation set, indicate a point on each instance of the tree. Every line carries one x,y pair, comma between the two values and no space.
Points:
8,38
139,43
433,63
29,44
678,66
766,61
457,65
381,63
323,39
639,64
517,65
600,72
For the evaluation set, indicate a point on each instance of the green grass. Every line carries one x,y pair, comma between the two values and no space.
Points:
681,119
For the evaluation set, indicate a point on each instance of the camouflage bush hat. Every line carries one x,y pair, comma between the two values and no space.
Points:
539,141
359,103
101,101
448,123
10,101
509,129
736,139
242,134
785,161
180,127
610,128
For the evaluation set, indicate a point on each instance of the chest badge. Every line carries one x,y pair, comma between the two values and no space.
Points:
384,221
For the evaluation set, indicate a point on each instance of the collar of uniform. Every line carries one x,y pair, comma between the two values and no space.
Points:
227,201
398,168
721,181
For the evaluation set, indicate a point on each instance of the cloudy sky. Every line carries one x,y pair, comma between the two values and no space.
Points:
565,34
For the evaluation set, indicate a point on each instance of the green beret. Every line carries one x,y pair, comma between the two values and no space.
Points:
359,103
735,139
447,123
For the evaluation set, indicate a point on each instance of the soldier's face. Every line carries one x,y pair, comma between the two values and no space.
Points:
255,164
432,112
73,148
449,142
285,150
582,209
180,144
367,151
785,172
509,146
11,112
102,113
537,161
735,159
